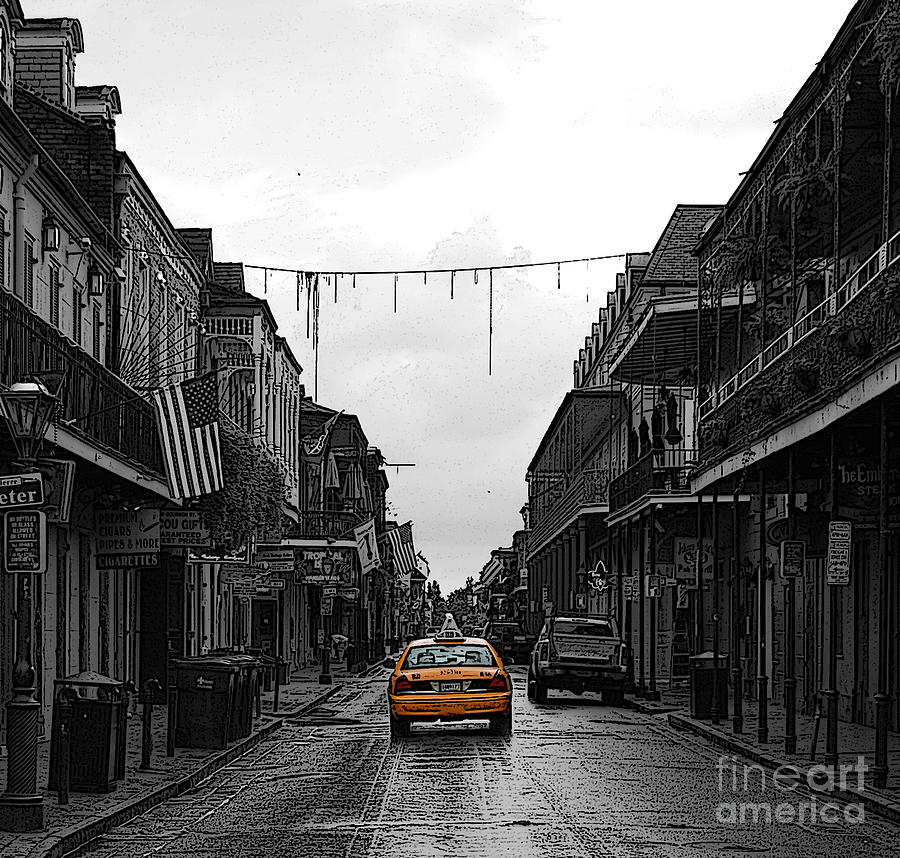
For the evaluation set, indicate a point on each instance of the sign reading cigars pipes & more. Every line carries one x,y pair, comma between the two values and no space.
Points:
127,539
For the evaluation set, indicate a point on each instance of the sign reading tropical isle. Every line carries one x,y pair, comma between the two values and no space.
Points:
127,539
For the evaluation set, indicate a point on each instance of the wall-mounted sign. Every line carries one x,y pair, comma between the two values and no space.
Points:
273,554
793,558
127,539
21,490
837,568
366,545
182,529
25,541
327,607
218,555
329,590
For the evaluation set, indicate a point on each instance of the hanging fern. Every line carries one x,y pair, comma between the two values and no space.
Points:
251,499
886,49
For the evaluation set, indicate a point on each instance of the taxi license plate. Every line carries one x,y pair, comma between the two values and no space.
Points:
451,686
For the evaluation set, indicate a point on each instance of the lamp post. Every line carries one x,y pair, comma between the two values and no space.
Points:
28,408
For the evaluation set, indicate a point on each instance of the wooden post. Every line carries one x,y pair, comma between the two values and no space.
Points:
831,694
790,679
883,697
715,709
737,672
762,678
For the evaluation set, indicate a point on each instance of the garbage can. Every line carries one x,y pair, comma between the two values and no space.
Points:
703,675
206,699
98,733
245,695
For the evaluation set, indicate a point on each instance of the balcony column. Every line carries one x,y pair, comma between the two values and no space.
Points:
653,603
883,697
582,558
762,678
642,598
573,567
615,550
557,589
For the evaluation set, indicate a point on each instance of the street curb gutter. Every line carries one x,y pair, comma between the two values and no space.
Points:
74,840
878,803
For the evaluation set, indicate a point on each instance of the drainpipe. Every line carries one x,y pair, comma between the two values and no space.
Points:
19,260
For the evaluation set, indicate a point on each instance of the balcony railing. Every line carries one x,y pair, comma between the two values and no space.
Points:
589,488
316,524
882,259
657,472
100,405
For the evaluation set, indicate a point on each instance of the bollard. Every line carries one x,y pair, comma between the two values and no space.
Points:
258,696
151,688
172,702
66,698
277,692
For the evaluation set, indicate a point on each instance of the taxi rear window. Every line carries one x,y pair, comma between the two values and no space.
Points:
449,655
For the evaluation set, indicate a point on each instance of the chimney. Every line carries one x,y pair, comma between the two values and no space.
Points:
102,101
11,19
45,57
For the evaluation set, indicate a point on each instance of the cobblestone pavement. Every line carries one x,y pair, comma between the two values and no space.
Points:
576,779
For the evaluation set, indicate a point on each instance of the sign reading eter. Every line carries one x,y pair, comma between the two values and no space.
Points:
21,490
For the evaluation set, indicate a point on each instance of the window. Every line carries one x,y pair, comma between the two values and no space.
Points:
96,332
2,249
29,271
76,314
54,296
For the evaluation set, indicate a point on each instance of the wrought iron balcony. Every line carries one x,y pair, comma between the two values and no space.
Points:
657,472
330,524
587,489
102,408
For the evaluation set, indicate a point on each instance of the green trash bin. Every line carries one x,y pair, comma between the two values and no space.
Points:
245,695
206,700
98,733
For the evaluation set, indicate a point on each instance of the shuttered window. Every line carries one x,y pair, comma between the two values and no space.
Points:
96,333
54,296
76,314
29,271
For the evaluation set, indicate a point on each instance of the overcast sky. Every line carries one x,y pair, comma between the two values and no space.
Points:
445,133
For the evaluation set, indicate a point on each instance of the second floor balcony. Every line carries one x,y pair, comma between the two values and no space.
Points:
585,494
657,472
94,402
324,524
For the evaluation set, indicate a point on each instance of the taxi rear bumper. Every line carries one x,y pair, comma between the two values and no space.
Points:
449,707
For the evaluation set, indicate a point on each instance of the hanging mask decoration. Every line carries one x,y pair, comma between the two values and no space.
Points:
644,436
673,434
656,428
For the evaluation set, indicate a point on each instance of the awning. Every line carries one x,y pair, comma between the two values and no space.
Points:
662,347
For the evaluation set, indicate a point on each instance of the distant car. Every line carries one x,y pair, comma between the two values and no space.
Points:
511,640
449,677
578,653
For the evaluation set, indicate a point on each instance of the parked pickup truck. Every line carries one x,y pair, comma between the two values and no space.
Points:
578,653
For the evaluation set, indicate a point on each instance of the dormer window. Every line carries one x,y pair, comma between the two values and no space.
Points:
4,52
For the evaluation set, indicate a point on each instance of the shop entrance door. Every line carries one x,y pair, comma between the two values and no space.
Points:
265,626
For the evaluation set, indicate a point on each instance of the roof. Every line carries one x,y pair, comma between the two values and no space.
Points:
103,92
568,399
72,25
672,259
229,275
199,242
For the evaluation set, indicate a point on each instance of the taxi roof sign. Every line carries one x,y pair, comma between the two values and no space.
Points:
449,631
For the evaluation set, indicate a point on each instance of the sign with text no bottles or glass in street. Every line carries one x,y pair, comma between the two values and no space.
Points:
793,558
837,569
25,542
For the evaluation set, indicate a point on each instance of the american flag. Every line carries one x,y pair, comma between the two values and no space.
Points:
189,431
400,539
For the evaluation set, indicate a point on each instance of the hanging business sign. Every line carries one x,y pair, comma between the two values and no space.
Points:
127,539
25,541
182,529
837,567
21,490
793,558
239,555
366,545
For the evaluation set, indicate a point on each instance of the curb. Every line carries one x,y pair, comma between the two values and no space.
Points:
318,700
370,669
648,708
877,803
76,839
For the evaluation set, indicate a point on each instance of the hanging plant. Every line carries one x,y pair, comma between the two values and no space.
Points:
253,492
806,376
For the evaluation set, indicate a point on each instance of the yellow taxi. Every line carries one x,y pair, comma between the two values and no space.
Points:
450,677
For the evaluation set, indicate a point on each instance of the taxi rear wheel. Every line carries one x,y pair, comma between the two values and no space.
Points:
399,728
501,725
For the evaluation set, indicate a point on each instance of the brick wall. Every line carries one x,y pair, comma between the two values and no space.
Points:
83,148
42,70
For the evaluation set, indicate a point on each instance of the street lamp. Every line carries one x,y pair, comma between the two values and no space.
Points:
28,407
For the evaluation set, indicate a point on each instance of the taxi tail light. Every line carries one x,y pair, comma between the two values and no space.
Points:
498,683
402,684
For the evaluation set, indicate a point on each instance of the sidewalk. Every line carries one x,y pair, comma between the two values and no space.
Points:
854,741
90,814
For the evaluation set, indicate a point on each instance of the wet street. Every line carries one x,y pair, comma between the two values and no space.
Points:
576,779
